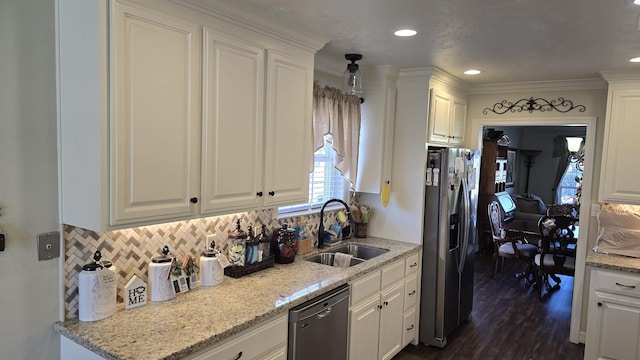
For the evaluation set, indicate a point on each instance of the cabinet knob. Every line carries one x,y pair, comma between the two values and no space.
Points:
599,304
386,303
272,193
194,200
379,306
259,193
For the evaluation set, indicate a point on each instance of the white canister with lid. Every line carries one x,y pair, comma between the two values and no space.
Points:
211,271
160,287
97,290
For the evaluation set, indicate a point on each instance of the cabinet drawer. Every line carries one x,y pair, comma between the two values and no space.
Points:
253,344
409,328
410,291
392,273
617,283
411,264
365,287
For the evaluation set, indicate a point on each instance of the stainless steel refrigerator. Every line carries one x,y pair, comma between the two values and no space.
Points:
449,238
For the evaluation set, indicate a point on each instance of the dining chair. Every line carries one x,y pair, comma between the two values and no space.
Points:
508,246
558,251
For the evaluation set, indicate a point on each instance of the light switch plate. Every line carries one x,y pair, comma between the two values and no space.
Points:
48,245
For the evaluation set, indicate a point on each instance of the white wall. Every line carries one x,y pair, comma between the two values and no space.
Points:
30,291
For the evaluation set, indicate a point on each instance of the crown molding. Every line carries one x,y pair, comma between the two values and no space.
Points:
537,86
612,76
258,23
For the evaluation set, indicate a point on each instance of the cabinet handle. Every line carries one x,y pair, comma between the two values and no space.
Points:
599,304
410,328
412,293
379,306
272,193
626,286
259,193
386,303
239,356
414,264
194,200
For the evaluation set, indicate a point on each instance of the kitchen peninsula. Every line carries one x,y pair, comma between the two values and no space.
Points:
200,319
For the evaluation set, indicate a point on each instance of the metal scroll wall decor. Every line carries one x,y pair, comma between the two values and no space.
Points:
534,104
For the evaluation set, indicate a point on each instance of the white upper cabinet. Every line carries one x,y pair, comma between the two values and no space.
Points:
155,123
232,123
129,115
447,118
619,174
288,158
376,129
158,124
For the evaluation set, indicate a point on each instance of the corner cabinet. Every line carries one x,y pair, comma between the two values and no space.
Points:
160,125
447,118
618,179
613,325
382,315
375,152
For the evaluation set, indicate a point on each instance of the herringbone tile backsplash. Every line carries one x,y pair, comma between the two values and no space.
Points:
132,249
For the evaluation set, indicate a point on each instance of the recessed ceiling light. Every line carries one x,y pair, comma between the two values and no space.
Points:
635,59
405,32
636,2
472,72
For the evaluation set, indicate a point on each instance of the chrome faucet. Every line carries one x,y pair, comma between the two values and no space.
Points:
346,230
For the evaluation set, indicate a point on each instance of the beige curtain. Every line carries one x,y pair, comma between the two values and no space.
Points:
339,115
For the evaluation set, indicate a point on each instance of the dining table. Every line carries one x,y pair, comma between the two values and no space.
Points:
529,230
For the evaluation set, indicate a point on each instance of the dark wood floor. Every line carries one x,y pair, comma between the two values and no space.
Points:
508,322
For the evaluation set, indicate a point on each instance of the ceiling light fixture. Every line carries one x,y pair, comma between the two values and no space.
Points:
575,154
635,59
352,79
472,72
636,2
405,32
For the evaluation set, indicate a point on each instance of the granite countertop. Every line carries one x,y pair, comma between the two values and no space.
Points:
613,262
205,316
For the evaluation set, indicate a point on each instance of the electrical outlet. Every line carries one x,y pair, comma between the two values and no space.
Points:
48,245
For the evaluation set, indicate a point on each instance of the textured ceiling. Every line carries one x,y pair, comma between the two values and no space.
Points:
509,40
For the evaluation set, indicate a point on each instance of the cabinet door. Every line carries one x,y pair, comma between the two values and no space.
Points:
391,321
364,322
232,124
619,175
439,117
288,157
155,117
615,333
458,121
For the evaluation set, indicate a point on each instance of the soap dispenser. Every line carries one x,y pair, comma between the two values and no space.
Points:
96,290
211,271
160,287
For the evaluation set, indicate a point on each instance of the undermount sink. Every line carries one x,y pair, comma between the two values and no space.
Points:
360,253
327,259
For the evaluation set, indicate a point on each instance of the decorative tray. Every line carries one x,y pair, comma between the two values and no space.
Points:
236,271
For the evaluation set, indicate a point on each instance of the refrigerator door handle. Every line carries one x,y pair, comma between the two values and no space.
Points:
465,224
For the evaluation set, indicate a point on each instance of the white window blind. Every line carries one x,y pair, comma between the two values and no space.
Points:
325,182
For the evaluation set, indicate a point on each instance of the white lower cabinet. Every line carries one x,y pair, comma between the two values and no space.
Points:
613,326
263,342
381,311
268,341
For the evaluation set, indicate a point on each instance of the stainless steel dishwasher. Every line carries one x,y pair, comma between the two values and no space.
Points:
318,328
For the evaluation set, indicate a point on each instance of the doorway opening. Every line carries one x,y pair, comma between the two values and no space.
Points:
587,125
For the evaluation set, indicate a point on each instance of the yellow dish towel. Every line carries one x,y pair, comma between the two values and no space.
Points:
385,194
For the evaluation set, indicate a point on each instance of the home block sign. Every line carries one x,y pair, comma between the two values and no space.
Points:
135,293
